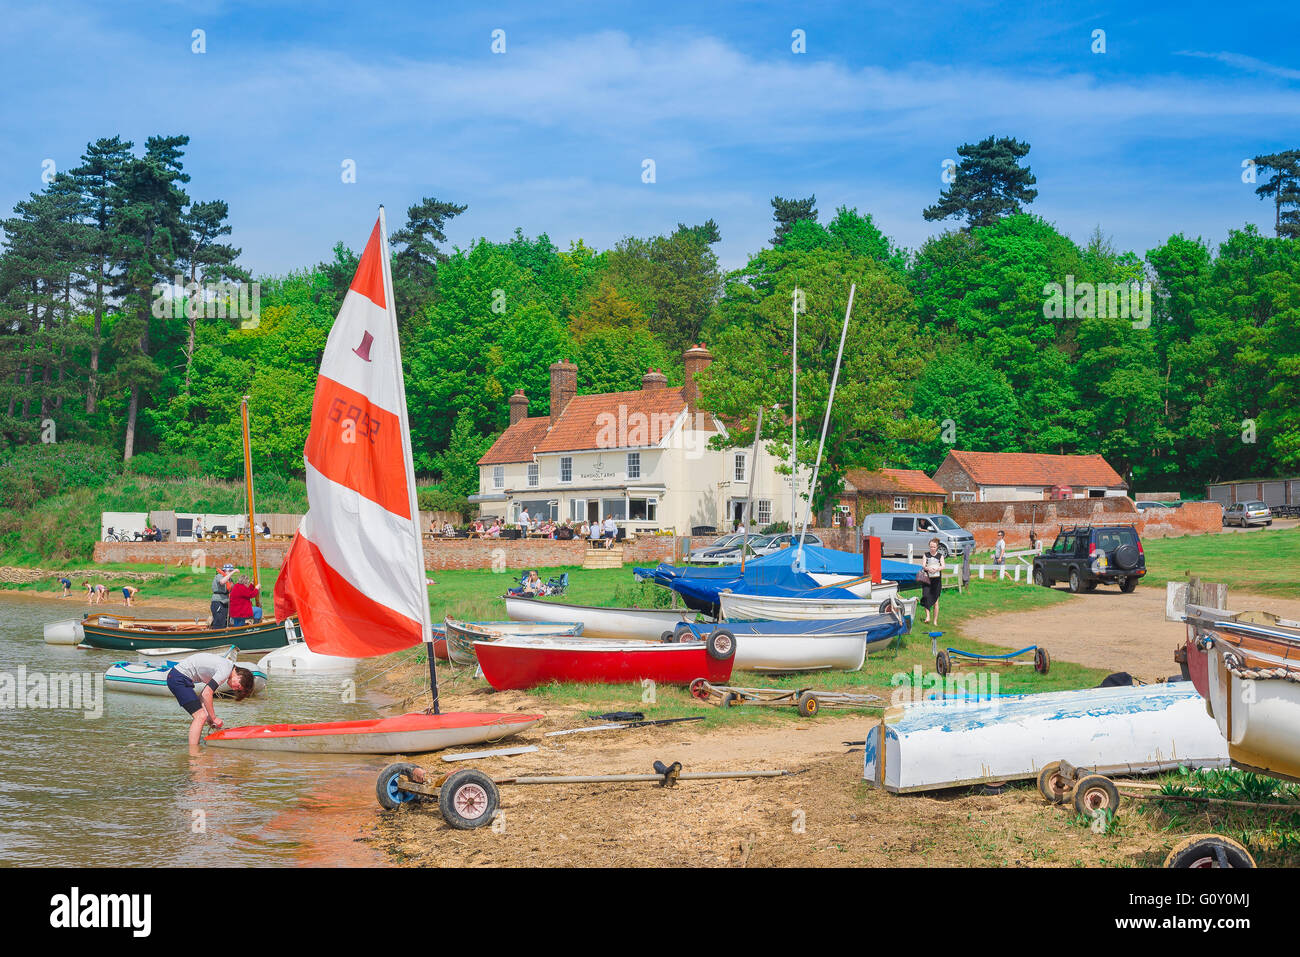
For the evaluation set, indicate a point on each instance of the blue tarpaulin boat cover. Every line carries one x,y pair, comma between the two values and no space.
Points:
772,574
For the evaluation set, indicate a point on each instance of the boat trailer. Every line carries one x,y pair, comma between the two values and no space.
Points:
809,701
946,659
468,798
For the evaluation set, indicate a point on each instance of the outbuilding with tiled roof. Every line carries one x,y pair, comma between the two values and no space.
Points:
1026,476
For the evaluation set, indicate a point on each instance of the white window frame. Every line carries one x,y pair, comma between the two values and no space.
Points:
498,476
534,475
740,467
900,503
763,514
566,465
634,465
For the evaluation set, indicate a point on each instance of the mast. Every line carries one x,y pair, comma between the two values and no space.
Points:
794,411
248,490
749,493
821,445
417,544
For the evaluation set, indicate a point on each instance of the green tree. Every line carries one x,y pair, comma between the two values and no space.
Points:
1284,188
457,466
988,183
416,257
787,212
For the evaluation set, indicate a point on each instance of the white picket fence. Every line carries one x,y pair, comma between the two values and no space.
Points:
1018,567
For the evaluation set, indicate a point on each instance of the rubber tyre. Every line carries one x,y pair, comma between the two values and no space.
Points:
1201,850
390,798
721,645
667,637
1090,586
1126,557
1095,792
808,704
468,799
943,663
1076,583
697,689
1051,785
1040,578
682,632
1042,660
1128,585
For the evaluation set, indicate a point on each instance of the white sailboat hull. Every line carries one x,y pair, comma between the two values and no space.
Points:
296,658
946,743
791,653
854,583
647,624
1259,718
779,608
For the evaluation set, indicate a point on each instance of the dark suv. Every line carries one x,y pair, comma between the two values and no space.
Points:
1090,555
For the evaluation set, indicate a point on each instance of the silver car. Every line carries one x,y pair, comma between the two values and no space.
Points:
1246,514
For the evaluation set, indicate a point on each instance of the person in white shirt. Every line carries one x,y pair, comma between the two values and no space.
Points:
1000,549
210,672
594,533
523,519
611,530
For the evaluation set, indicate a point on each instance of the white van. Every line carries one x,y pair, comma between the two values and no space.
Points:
896,530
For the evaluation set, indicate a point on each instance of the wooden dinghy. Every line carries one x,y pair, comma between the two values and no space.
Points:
806,607
461,635
405,734
147,677
518,663
943,743
648,624
119,633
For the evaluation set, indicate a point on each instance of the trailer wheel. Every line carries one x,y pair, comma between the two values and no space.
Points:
1041,660
721,645
682,632
698,689
1053,785
808,704
668,637
942,663
1095,792
1209,850
468,799
390,795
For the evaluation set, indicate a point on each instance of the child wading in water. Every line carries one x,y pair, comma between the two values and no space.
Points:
207,671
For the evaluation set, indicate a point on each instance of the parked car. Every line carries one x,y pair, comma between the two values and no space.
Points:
897,530
730,554
1246,514
774,543
1086,556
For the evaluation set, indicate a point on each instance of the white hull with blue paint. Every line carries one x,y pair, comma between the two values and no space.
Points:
147,677
1131,730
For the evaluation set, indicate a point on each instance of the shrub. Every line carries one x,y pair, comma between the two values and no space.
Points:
30,473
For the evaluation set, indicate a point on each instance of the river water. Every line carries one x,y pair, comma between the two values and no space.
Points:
121,788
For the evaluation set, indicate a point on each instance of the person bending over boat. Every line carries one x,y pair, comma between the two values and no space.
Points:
208,672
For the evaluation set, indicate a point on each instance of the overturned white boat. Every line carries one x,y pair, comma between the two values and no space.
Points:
65,632
785,646
645,623
296,658
949,742
807,606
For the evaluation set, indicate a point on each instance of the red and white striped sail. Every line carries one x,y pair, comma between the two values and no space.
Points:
354,574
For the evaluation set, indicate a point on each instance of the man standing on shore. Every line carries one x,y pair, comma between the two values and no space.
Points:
221,595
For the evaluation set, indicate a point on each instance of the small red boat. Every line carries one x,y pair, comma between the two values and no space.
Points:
517,663
404,734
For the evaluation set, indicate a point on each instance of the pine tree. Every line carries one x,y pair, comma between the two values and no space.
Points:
989,183
787,212
1284,187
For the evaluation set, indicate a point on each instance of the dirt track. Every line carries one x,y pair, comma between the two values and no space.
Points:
1108,629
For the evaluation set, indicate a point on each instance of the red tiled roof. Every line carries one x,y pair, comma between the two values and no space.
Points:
516,443
1026,468
891,481
615,420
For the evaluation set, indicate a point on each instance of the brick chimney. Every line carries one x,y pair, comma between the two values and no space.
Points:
564,386
654,379
518,406
696,359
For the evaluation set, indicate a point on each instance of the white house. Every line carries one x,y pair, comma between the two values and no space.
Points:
640,456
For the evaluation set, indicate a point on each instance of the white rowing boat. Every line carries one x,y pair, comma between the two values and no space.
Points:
461,635
64,632
784,646
954,741
143,677
648,624
738,607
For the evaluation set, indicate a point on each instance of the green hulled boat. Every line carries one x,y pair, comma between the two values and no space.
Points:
119,633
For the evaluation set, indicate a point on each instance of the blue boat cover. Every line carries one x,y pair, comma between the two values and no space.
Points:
772,574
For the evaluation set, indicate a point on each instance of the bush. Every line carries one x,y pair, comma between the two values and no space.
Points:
30,473
433,499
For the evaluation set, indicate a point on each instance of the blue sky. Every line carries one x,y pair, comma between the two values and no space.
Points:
1143,140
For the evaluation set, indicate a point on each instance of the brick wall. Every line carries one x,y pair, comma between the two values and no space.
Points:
985,519
441,553
951,477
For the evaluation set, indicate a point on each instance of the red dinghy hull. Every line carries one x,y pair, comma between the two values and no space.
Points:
405,734
517,664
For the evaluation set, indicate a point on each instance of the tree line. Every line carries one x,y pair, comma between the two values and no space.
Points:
1179,364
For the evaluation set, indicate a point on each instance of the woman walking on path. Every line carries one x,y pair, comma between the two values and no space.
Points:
933,563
